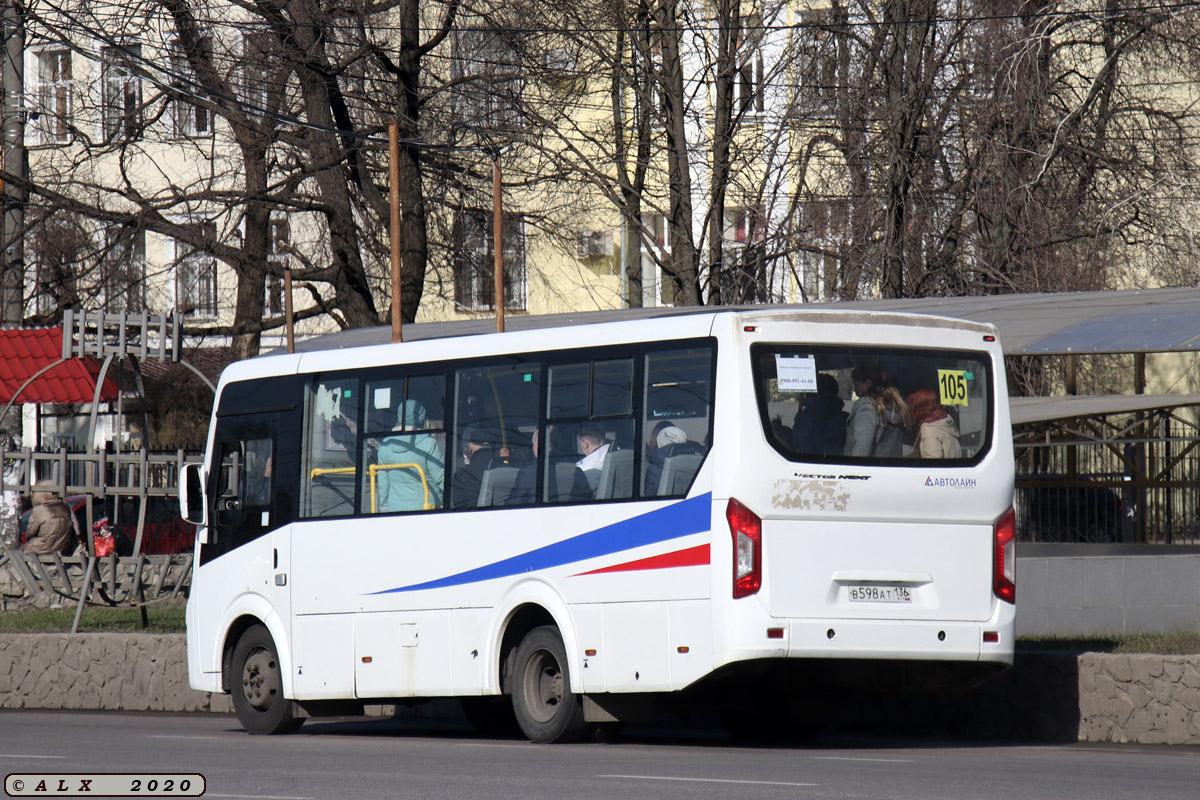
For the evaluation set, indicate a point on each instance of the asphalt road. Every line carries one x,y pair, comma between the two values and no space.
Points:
390,759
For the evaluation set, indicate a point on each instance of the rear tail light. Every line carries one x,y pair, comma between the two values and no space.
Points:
746,529
1004,557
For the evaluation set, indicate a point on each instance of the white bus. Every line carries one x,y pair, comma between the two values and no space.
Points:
584,522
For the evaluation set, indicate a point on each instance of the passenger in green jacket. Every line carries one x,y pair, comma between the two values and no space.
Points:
401,489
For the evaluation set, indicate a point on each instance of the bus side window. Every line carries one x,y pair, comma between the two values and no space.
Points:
678,419
229,479
591,423
404,462
243,484
496,409
258,473
328,451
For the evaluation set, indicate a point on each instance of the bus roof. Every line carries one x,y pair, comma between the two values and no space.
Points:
422,331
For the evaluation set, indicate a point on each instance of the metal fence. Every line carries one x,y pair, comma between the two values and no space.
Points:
136,493
1136,480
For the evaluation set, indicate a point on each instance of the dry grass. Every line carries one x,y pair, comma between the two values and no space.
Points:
162,619
1165,644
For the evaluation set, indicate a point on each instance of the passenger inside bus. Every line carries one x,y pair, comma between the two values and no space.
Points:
820,424
595,447
879,418
936,431
401,488
667,441
479,455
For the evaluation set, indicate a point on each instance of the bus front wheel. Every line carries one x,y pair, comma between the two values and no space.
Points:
257,686
546,708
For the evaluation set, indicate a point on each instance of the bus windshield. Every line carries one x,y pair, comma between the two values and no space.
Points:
877,405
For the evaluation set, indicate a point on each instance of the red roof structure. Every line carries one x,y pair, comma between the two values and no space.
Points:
25,351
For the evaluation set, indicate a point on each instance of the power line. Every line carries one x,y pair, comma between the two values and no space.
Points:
1102,13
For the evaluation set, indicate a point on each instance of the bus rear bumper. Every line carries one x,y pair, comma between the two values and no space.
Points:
894,639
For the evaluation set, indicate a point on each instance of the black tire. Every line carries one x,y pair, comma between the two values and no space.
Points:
257,686
546,708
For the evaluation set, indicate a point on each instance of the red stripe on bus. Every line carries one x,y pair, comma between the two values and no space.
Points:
692,557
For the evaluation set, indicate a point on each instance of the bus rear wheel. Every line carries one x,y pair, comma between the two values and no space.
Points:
257,686
546,708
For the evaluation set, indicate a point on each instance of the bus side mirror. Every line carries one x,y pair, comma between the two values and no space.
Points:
191,495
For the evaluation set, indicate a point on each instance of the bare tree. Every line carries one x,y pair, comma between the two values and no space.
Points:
894,148
1000,155
278,102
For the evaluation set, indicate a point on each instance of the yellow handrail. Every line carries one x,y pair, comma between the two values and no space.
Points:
372,471
319,472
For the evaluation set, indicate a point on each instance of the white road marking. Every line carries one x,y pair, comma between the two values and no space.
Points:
850,758
256,796
179,736
484,744
14,755
704,780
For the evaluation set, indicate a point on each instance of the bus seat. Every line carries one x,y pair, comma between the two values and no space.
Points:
564,480
677,473
496,485
616,476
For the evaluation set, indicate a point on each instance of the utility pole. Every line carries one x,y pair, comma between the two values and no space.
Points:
12,157
394,229
498,239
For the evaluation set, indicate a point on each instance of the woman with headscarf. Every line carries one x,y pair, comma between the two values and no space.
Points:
401,489
937,435
878,418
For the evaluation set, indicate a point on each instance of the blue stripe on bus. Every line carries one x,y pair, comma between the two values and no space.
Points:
673,522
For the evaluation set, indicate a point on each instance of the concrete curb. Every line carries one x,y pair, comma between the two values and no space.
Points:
1091,697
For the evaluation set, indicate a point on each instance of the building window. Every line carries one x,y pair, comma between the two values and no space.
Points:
196,277
57,251
748,89
816,63
658,227
279,244
474,262
486,70
191,119
54,80
123,270
260,77
48,283
122,91
744,276
744,225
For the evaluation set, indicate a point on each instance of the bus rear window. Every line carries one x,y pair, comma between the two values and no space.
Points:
879,405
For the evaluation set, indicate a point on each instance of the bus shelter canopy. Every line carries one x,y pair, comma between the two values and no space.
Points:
1032,410
1062,323
26,351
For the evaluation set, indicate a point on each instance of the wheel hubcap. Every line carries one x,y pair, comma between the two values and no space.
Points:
260,679
543,685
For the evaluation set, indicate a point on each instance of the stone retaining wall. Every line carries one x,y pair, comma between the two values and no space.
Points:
1047,696
126,671
1145,699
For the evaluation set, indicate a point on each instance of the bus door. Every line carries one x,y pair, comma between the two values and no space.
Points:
249,513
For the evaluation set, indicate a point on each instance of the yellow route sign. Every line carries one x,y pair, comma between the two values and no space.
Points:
952,387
